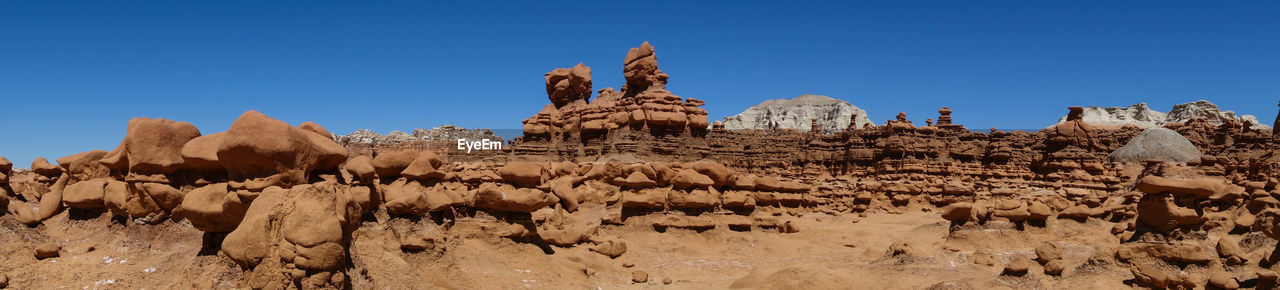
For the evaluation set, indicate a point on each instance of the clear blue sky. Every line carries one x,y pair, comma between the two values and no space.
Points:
72,74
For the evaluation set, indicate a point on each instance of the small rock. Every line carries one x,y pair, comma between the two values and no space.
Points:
788,227
1222,279
1048,252
1055,267
628,265
666,280
1151,276
1018,266
1267,275
611,248
47,250
639,277
4,281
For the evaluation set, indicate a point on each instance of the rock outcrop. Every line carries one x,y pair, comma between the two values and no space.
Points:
643,104
1144,117
796,113
1137,114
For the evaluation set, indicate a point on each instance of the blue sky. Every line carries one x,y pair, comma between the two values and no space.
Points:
73,73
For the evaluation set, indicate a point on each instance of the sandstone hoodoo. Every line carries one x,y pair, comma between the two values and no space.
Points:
643,104
606,191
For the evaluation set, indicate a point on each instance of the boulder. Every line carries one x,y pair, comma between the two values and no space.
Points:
526,174
412,197
41,166
426,166
718,173
6,166
636,179
1157,144
564,229
213,208
957,212
706,197
152,146
140,199
201,153
85,194
688,178
361,168
267,152
503,197
84,165
1197,187
389,165
304,227
51,202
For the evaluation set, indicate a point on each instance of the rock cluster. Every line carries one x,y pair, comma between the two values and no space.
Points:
643,104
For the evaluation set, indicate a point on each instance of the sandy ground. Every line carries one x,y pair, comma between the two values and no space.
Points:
841,252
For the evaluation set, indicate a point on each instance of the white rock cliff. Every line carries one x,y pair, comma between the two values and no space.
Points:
798,113
1144,117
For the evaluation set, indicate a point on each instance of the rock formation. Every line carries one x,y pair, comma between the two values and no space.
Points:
293,208
1157,144
643,104
1144,117
795,113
